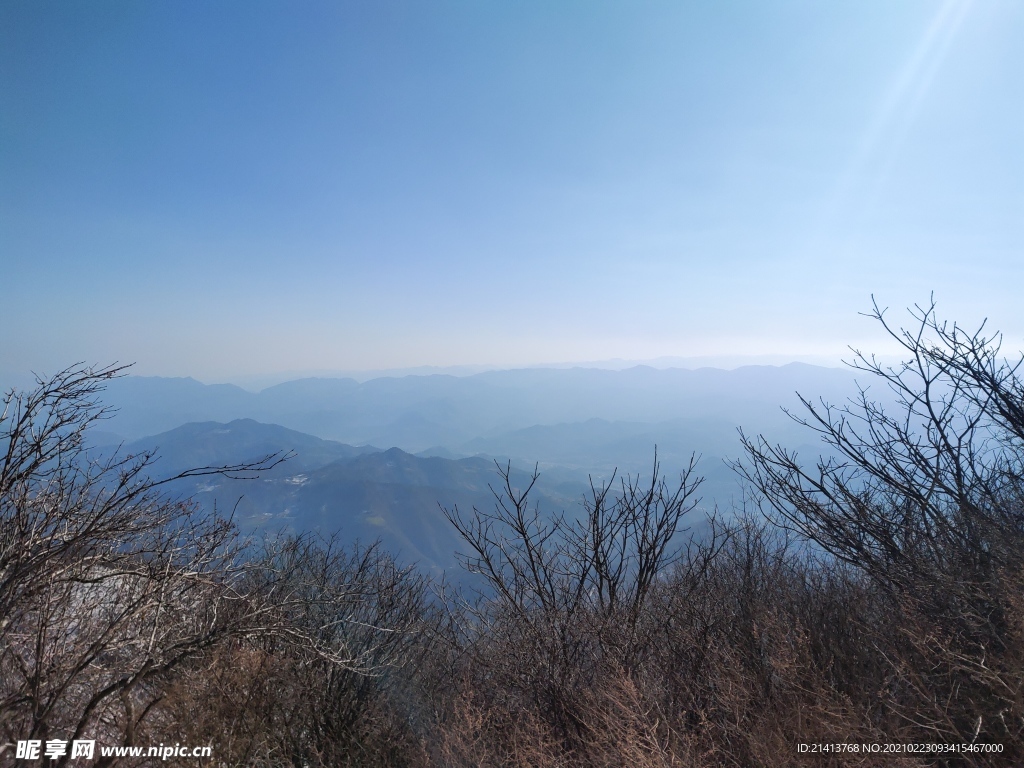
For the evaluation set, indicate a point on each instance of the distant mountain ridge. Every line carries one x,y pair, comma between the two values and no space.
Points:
421,412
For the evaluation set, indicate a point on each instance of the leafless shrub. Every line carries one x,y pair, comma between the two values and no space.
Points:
877,602
924,500
568,601
337,683
121,607
106,586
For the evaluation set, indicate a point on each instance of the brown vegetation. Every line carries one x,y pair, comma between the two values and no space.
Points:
874,597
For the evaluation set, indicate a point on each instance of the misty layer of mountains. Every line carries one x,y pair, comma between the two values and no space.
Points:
379,459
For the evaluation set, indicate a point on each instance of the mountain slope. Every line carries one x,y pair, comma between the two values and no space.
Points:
212,443
330,488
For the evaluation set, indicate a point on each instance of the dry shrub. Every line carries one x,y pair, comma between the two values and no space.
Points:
478,734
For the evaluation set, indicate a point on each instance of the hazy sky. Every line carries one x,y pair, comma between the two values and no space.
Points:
219,189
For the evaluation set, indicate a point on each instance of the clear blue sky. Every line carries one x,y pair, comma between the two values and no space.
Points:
219,189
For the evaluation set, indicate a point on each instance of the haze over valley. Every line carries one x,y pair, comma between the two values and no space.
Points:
380,458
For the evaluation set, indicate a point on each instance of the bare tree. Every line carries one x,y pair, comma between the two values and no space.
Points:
106,585
568,594
337,681
926,499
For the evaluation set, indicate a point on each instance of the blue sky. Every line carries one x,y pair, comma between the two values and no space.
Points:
226,189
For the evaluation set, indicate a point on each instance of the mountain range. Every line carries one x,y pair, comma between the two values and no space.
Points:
381,458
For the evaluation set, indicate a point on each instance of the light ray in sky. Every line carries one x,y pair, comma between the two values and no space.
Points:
886,134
